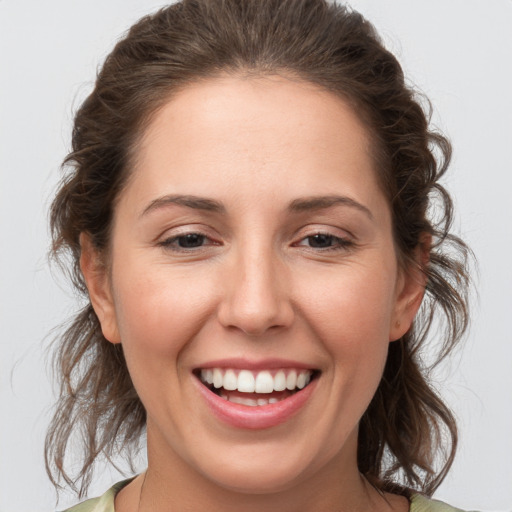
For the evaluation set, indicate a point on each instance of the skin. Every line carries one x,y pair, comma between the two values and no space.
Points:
256,288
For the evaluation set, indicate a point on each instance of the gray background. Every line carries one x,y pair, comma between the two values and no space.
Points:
459,52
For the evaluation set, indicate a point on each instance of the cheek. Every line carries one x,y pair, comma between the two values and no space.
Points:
350,307
159,310
350,316
159,313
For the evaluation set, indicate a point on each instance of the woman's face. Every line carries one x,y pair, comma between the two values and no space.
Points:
252,244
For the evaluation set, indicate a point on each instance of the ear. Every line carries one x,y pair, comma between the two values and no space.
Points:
97,279
410,289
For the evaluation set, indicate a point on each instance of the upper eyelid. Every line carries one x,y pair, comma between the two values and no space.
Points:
170,243
186,229
179,235
343,241
323,233
298,234
319,229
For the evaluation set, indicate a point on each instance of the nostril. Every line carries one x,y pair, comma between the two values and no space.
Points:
255,320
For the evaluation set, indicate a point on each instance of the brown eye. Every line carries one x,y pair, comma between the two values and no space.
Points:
187,241
321,241
191,240
324,242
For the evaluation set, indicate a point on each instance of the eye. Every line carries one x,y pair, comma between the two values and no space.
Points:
187,242
324,241
190,240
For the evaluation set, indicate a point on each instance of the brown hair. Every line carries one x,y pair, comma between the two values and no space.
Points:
402,439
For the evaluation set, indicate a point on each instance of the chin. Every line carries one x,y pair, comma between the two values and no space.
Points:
253,480
263,468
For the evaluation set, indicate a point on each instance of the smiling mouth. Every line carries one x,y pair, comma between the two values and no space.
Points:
255,388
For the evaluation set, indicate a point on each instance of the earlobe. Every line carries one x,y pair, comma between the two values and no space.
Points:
98,285
410,290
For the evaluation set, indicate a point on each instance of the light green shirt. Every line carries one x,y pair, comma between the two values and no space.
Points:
105,503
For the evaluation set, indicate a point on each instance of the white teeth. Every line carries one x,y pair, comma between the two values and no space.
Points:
230,381
291,380
256,382
247,401
246,382
301,380
264,383
207,375
217,378
243,401
280,381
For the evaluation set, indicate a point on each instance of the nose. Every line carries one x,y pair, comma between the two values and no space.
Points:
256,295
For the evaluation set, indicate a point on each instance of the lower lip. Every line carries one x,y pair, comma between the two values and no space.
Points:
256,417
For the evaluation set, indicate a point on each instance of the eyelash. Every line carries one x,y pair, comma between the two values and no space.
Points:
340,244
171,243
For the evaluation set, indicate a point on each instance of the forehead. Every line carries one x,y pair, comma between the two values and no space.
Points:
250,134
256,105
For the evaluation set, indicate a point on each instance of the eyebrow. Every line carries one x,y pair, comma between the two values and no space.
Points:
195,202
323,202
299,205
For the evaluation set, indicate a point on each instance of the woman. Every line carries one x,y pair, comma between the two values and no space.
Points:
247,212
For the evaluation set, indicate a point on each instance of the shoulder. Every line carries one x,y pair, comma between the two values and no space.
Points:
104,503
422,504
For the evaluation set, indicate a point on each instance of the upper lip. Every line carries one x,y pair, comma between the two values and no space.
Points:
256,365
